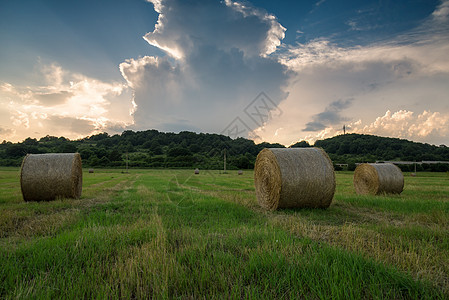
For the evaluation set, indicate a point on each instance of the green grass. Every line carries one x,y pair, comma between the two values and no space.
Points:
171,234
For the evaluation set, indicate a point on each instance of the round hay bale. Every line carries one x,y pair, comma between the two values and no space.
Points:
375,179
197,171
240,172
45,177
294,177
91,170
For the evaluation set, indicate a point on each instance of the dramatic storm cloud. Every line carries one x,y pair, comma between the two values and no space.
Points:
219,61
276,71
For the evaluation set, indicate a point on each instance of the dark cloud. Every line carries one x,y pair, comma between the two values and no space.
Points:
181,125
314,126
330,116
115,128
403,68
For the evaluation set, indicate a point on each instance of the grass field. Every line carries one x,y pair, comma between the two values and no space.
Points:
171,234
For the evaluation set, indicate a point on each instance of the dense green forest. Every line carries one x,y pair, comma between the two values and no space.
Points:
144,149
154,149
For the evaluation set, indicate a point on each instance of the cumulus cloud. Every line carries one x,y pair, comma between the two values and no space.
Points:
183,26
218,60
6,133
221,54
406,74
429,127
441,14
63,103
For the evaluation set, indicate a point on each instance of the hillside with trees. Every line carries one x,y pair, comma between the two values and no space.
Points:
354,148
154,149
144,149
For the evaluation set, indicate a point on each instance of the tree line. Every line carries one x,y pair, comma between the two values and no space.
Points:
154,149
355,148
144,149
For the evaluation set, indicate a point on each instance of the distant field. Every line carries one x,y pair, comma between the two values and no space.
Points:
172,234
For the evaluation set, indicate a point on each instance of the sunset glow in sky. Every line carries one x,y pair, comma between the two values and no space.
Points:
77,68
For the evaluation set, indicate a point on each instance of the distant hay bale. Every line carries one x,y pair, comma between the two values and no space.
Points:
45,177
197,171
240,172
91,170
294,177
375,179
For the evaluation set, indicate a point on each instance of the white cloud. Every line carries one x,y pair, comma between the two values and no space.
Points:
183,27
218,62
434,125
6,134
276,32
407,74
429,127
441,14
66,104
221,54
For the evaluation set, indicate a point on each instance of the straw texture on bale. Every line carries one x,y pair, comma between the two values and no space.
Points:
375,179
44,177
294,178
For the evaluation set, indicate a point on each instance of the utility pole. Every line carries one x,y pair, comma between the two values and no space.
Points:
344,129
126,161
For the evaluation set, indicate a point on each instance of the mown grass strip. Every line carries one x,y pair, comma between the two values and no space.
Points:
412,239
154,236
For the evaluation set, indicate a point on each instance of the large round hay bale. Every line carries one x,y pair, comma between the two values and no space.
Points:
44,177
375,179
294,177
197,171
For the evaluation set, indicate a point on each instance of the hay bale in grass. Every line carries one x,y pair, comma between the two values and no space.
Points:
375,179
294,177
91,170
197,171
45,177
240,172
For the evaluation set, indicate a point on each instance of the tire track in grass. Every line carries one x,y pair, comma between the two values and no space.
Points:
23,220
367,236
208,214
424,260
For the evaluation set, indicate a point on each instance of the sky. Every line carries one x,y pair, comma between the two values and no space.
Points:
275,71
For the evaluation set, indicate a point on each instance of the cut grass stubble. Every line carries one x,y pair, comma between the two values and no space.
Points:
148,234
